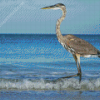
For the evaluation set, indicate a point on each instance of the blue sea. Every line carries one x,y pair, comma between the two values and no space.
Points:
30,65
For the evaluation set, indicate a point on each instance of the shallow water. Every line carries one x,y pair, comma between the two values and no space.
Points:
49,95
34,62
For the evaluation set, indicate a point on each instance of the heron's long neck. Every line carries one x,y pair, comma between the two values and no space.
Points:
58,32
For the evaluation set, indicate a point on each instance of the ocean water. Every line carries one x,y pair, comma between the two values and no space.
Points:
34,62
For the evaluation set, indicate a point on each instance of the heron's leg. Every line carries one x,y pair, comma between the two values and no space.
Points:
77,60
75,57
79,67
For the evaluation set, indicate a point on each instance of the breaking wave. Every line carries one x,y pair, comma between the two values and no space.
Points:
64,84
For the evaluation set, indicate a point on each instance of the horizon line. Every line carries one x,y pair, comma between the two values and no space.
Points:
40,34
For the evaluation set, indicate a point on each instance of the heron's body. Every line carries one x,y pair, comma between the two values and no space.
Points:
77,46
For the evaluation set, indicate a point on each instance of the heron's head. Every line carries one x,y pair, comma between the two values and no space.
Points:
55,7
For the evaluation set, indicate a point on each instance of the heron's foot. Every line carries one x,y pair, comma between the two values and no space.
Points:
68,76
78,74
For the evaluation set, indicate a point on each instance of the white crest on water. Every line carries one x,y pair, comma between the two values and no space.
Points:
70,84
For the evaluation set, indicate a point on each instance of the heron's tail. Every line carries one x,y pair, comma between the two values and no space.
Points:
99,54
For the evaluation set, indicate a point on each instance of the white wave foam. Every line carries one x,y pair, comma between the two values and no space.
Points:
65,84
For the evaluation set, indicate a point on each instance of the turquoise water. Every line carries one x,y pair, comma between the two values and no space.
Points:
30,62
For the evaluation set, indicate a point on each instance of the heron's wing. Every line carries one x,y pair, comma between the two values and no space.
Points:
81,46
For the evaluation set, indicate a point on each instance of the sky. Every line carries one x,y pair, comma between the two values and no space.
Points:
26,16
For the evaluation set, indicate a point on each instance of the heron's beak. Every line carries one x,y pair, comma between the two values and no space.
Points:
49,7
